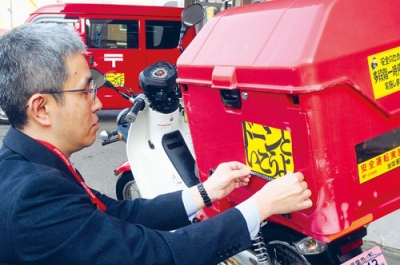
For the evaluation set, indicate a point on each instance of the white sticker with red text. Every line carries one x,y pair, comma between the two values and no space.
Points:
373,256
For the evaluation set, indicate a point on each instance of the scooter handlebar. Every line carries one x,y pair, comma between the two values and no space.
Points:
138,105
107,136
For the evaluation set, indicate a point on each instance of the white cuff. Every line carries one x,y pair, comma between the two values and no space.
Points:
249,210
189,203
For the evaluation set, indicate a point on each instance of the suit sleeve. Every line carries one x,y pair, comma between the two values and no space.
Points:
148,212
54,222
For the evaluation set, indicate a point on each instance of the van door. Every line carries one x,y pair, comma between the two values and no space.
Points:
115,50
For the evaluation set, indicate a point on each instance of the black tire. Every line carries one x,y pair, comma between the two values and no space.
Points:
126,187
284,254
279,243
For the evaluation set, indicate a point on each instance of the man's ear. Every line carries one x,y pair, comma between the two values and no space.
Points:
38,108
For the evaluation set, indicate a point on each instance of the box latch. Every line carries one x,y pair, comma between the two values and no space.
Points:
224,79
231,98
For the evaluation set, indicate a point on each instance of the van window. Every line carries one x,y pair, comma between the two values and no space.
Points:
59,20
109,34
162,34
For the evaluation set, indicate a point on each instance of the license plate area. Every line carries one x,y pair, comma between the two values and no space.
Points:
373,256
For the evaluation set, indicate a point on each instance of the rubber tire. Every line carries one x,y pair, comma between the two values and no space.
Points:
273,233
126,181
282,250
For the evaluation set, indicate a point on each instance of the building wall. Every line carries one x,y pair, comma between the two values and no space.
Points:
13,13
386,231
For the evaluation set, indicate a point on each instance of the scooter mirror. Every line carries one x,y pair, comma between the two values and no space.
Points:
193,15
98,78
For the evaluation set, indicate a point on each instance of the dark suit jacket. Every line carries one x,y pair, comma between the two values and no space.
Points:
48,218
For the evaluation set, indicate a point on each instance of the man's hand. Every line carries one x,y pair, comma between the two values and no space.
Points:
227,177
283,195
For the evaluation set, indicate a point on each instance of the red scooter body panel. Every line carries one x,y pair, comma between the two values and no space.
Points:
306,85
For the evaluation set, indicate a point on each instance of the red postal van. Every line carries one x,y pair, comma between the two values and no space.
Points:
121,39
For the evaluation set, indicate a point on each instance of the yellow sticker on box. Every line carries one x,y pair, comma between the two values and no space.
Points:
117,79
379,165
268,150
384,70
378,155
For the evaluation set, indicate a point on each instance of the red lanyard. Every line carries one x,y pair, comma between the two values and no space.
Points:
56,151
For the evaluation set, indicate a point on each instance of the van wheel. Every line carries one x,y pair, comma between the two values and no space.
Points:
126,187
3,117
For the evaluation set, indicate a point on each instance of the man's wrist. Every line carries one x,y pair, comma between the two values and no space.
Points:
204,195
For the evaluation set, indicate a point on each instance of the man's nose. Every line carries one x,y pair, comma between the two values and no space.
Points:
97,104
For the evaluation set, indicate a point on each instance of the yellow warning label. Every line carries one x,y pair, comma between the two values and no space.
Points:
378,155
268,150
117,79
384,70
379,165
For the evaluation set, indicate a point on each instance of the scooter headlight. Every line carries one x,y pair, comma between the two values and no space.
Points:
310,246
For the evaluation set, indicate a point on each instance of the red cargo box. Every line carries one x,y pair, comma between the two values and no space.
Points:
306,85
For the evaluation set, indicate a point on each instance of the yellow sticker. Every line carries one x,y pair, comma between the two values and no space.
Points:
378,155
384,70
117,79
268,150
379,165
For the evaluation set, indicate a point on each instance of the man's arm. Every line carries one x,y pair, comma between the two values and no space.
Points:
54,222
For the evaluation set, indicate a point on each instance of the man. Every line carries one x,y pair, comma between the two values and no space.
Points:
50,216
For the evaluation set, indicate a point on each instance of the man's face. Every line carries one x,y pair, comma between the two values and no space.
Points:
74,121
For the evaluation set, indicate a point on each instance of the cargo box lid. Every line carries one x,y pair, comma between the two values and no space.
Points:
300,46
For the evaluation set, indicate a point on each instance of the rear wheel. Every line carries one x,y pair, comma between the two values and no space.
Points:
126,187
281,253
279,242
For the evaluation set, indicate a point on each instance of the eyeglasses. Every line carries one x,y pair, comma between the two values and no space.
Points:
91,90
